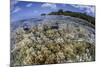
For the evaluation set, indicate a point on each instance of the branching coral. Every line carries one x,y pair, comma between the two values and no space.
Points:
50,46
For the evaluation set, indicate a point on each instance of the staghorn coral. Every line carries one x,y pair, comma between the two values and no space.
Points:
50,46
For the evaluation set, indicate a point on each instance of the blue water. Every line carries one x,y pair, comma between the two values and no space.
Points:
53,19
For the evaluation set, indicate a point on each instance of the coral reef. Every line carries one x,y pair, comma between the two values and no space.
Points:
48,43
